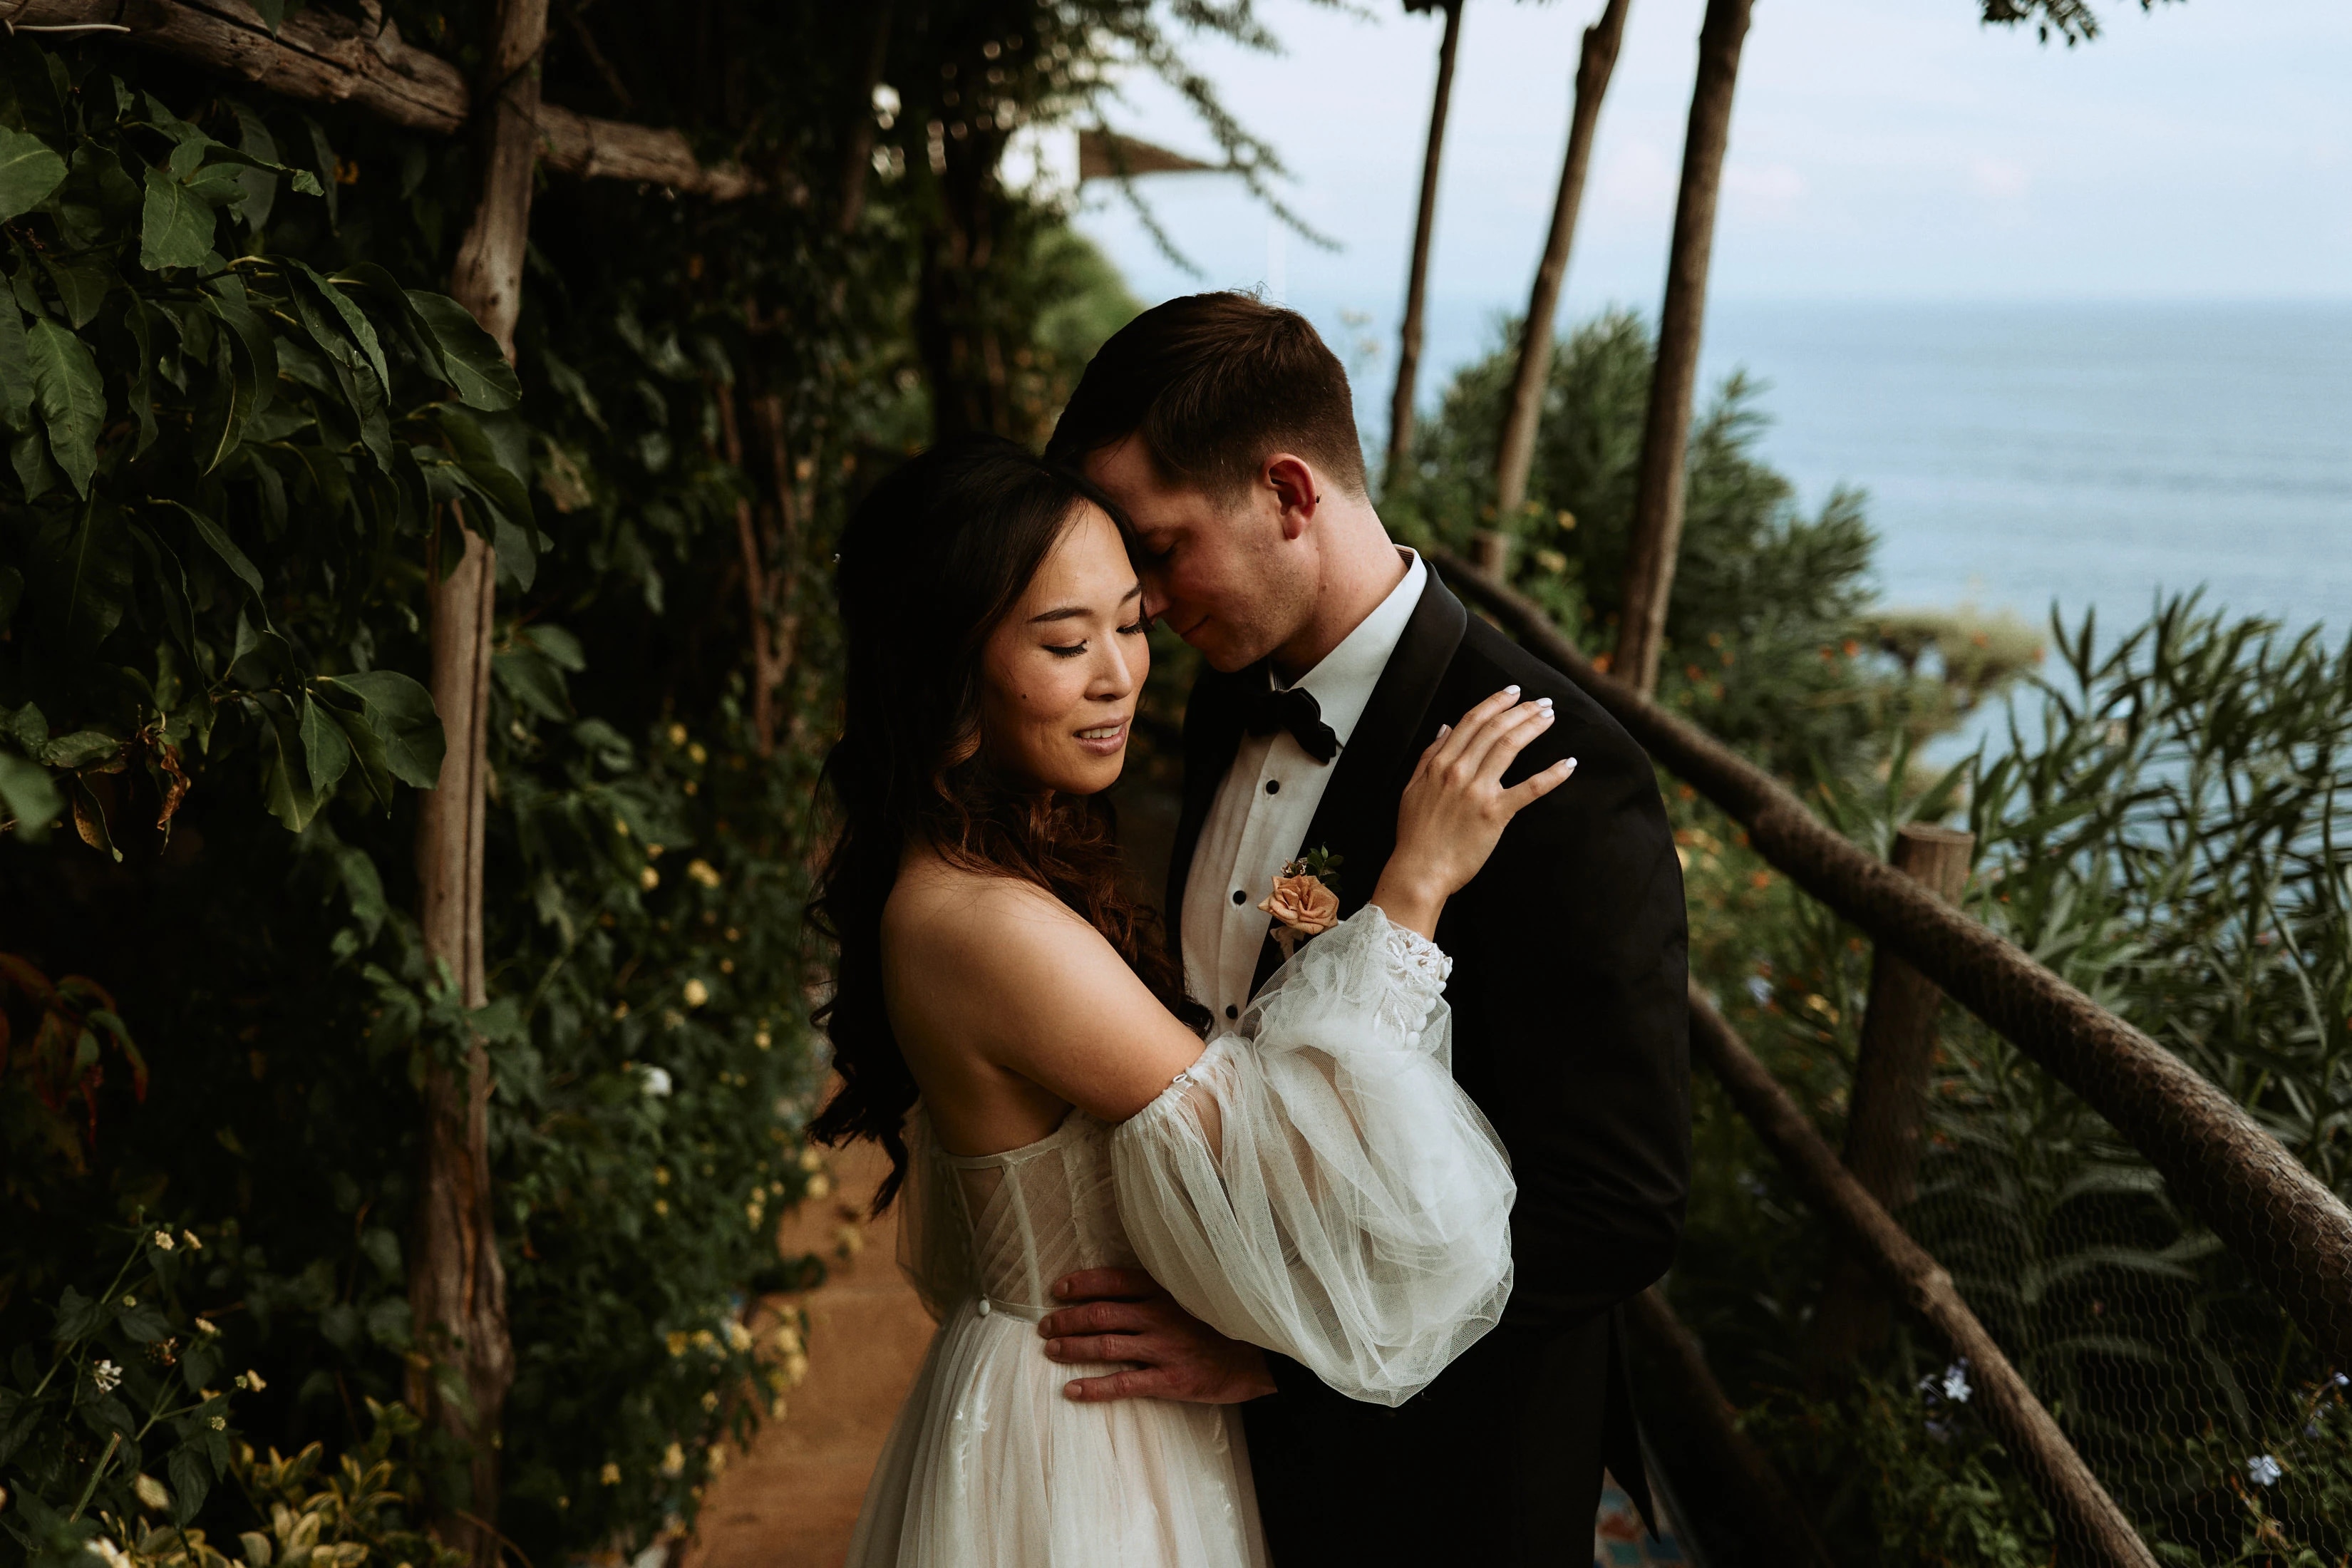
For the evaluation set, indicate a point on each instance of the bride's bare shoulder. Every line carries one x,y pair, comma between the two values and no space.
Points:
941,914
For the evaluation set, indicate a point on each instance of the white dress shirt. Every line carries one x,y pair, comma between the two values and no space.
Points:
1267,803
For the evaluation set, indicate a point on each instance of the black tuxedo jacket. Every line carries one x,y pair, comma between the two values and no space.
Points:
1571,1032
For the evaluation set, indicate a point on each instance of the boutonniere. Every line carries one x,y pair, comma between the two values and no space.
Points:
1306,899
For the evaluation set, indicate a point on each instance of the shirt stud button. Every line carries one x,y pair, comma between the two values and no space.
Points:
1274,786
1240,897
1231,1011
983,1306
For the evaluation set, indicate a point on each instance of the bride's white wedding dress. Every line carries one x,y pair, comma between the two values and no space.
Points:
1316,1183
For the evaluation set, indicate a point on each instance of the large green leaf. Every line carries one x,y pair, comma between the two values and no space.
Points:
478,372
176,223
29,170
88,564
97,201
15,367
28,794
82,283
216,538
325,750
354,320
399,714
71,397
285,772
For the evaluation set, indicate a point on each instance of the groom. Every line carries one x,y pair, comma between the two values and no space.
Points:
1224,428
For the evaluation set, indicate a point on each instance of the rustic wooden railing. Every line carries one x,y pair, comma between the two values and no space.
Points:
2290,1229
324,57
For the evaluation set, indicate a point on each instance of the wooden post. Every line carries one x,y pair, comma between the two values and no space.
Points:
1679,1375
457,1286
1885,1113
1417,280
1490,552
1666,432
2088,1520
1516,453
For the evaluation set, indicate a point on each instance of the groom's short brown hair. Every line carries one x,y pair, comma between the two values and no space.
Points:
1214,384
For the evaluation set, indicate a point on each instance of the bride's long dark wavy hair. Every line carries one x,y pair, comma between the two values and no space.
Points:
933,561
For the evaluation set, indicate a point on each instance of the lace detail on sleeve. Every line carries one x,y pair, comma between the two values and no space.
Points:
1317,1183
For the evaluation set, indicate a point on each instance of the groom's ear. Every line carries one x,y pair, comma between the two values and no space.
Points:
1296,492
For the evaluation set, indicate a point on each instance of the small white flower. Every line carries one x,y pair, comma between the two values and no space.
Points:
106,1375
673,1460
657,1084
1956,1382
112,1555
129,1300
163,1240
151,1493
189,1238
207,1326
697,994
220,1423
2263,1470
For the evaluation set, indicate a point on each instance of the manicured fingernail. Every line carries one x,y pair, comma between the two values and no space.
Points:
1570,765
1512,689
1544,703
1443,731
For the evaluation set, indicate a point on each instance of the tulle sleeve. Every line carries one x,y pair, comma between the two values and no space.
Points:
1317,1185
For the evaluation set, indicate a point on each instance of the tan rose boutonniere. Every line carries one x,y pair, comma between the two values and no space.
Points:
1306,899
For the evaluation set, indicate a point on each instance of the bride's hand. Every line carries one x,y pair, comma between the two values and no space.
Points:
1456,807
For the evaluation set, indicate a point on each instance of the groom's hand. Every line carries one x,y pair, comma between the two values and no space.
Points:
1122,1314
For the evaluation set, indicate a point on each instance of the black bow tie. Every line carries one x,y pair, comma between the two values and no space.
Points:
1295,710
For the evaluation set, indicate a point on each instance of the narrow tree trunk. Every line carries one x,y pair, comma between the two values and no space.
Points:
1665,435
858,153
457,1286
1516,453
1417,280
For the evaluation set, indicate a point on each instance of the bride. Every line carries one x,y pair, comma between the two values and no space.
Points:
1008,1023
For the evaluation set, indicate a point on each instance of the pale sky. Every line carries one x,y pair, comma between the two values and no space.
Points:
1880,149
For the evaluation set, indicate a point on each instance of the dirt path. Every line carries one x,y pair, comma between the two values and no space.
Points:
792,1500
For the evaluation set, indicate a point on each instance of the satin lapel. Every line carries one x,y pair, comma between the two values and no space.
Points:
1212,732
1356,819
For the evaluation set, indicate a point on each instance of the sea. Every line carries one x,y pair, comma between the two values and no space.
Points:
2072,457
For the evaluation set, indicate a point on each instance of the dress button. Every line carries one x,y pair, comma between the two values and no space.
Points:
983,1306
1240,897
1274,786
1231,1011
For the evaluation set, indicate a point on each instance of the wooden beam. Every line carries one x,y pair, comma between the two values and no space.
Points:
321,57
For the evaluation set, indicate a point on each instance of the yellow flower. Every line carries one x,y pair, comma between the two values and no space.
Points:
207,1326
710,1399
726,967
752,1212
673,1460
705,1340
661,1205
152,1495
163,1240
811,1160
697,754
252,1380
776,1410
661,1175
621,827
677,734
620,1010
702,872
610,1475
739,1338
820,1185
677,1341
715,1460
761,1040
788,1340
189,1238
697,993
648,878
796,1368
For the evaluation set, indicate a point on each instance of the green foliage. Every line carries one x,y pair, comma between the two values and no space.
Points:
2166,827
218,468
123,1395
